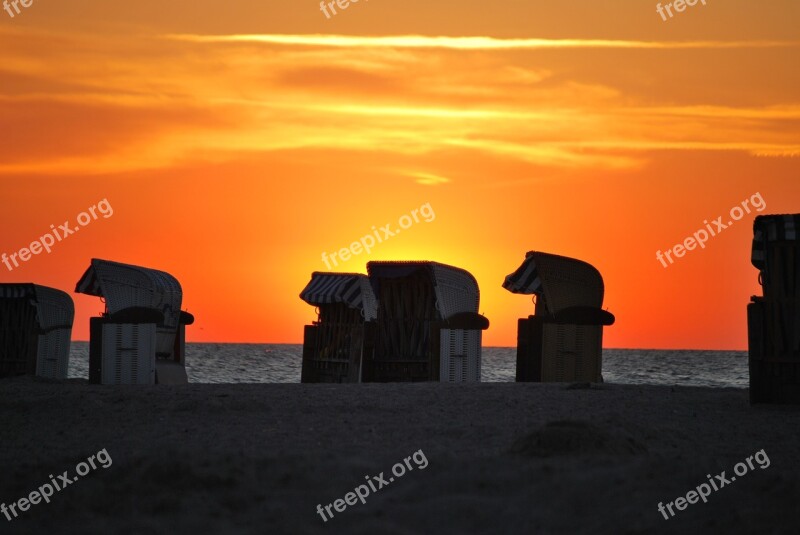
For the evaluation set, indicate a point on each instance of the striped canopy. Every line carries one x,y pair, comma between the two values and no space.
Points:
352,289
18,291
563,282
525,280
456,290
770,228
126,286
54,308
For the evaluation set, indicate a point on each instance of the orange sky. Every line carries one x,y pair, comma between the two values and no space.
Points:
237,142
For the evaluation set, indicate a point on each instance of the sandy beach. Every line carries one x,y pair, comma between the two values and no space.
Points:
502,458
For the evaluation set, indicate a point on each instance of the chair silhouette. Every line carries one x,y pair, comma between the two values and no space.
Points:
333,346
428,327
563,340
35,330
141,337
773,320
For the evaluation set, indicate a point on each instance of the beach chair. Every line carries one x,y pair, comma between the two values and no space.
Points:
141,337
35,330
428,326
333,345
563,340
773,320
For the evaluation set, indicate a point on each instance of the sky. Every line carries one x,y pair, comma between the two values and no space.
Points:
237,143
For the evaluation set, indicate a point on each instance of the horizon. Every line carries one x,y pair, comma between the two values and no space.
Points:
242,149
484,346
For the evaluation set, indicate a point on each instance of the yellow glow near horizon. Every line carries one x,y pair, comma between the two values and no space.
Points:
466,43
237,147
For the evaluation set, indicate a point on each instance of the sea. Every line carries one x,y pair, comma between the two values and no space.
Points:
280,363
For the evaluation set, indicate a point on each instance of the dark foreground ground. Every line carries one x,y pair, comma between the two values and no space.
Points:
502,458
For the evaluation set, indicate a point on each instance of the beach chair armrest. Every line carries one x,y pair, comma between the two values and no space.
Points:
582,316
137,315
466,321
185,318
53,328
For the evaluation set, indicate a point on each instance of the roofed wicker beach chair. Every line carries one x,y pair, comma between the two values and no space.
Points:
333,346
428,326
773,319
563,340
141,337
35,329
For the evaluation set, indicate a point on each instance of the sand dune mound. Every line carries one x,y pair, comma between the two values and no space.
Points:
573,437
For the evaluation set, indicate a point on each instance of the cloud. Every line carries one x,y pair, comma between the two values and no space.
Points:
161,102
334,79
466,43
427,179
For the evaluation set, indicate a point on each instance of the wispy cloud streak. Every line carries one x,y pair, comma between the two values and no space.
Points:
466,43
